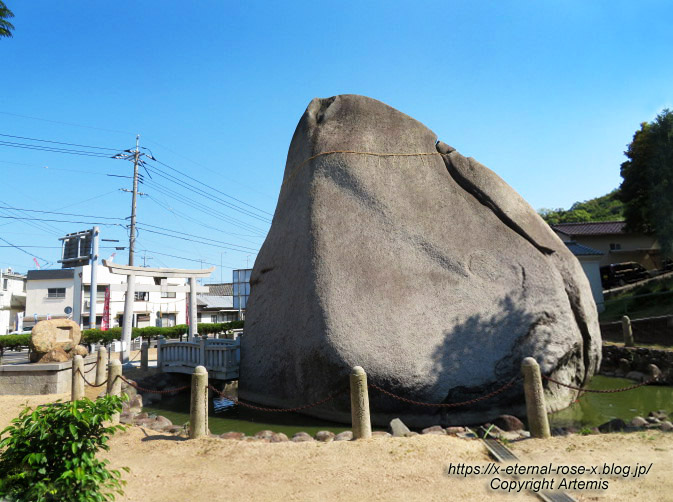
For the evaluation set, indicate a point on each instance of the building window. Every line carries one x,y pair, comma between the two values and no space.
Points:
168,294
213,318
100,293
142,296
615,247
56,293
4,284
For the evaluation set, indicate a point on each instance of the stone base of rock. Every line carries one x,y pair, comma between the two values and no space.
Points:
37,379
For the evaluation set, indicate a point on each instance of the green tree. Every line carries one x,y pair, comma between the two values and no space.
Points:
647,189
5,26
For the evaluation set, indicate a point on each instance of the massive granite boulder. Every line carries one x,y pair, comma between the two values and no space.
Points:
392,251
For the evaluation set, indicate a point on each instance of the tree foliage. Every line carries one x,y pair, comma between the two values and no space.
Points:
5,26
606,208
49,453
647,189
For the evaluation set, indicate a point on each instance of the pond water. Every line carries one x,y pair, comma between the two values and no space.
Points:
591,410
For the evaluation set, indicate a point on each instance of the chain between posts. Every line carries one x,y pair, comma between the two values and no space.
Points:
280,410
89,383
598,391
447,405
91,369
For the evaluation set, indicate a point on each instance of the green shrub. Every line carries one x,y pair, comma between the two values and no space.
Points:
90,336
13,342
49,454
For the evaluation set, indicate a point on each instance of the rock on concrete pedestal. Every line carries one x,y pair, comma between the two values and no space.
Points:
416,262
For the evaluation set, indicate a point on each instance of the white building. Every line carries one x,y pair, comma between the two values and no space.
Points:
12,299
66,293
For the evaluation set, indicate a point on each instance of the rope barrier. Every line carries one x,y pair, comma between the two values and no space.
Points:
142,389
89,383
447,405
92,368
597,391
280,410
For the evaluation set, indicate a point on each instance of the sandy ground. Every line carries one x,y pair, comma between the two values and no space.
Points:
165,468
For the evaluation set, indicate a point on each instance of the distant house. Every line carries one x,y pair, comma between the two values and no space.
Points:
590,260
12,299
217,305
611,239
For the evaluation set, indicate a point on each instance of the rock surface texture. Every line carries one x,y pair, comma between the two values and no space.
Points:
55,340
393,251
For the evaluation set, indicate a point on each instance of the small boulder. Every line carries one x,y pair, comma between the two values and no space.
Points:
279,437
56,355
638,422
454,430
79,350
653,371
666,426
397,428
301,437
162,422
232,435
659,414
344,436
636,375
614,425
380,434
324,436
624,365
266,434
435,429
508,423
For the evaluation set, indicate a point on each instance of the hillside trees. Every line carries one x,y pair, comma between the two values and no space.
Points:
647,186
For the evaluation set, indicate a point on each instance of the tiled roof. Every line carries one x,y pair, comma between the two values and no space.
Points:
579,250
591,228
225,289
215,302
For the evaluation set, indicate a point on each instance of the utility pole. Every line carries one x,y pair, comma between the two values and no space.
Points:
132,242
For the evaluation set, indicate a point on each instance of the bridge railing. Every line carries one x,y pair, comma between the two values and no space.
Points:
220,356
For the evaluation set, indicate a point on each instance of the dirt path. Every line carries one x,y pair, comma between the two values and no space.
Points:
165,469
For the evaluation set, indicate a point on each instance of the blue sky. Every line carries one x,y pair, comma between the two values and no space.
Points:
547,94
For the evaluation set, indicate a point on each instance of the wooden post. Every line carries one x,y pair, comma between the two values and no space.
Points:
627,331
538,422
160,342
198,413
144,356
77,378
101,365
361,423
114,384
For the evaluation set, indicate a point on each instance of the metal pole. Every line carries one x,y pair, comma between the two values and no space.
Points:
128,317
132,241
193,328
93,288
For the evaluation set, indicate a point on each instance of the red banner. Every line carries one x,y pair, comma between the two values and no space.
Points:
105,323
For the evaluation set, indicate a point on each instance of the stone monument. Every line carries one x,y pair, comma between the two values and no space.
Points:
392,251
55,340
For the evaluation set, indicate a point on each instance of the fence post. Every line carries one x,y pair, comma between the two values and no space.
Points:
114,383
160,342
144,355
627,331
361,423
198,412
101,365
77,378
538,421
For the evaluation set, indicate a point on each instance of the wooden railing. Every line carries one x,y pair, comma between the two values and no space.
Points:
220,357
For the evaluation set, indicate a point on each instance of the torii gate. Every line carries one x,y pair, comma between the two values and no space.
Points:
131,272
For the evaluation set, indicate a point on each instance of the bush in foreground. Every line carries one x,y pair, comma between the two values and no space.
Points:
49,454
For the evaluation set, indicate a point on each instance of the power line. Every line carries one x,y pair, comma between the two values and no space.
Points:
214,243
194,204
61,221
188,259
23,250
50,149
211,187
197,190
60,142
62,214
64,123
